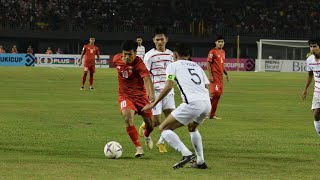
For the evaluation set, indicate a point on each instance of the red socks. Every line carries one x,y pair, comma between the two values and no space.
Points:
133,133
214,105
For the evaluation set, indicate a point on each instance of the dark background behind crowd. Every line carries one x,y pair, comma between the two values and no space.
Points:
201,19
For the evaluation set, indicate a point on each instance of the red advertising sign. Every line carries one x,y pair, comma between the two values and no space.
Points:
230,64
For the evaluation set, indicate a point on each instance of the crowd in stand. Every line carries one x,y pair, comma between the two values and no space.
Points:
141,15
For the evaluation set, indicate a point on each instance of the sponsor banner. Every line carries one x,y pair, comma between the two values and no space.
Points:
66,60
230,64
17,59
271,65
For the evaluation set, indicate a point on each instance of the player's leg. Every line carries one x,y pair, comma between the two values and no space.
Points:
316,111
92,71
84,76
215,93
179,117
195,135
147,131
168,105
128,110
156,118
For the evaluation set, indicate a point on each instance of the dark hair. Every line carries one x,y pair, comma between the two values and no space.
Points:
219,37
314,41
139,37
160,30
128,45
183,49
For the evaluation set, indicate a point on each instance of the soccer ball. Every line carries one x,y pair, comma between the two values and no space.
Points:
113,150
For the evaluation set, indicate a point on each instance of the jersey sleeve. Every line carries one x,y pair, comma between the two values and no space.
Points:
84,49
210,56
146,61
308,62
205,78
97,51
170,72
143,71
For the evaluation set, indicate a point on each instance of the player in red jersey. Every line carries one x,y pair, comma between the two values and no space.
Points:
215,65
90,51
135,91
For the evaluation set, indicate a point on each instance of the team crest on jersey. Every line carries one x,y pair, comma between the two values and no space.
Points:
210,55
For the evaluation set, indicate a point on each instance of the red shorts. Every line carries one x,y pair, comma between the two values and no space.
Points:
91,68
136,105
216,88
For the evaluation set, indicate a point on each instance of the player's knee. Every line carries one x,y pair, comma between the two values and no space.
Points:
192,127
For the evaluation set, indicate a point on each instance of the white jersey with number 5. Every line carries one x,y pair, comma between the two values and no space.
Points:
191,80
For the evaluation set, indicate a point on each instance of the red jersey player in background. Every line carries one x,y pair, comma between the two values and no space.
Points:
215,65
90,51
135,91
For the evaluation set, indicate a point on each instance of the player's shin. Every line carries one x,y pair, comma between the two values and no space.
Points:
317,126
196,140
174,141
133,134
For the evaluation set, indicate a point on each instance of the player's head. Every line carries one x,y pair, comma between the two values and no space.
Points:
314,46
139,40
92,40
219,41
160,39
129,51
181,51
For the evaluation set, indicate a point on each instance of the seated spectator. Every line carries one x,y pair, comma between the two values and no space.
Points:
2,50
29,50
59,51
49,51
14,49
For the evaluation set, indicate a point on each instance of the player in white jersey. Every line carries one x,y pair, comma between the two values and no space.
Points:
140,49
192,82
313,68
156,61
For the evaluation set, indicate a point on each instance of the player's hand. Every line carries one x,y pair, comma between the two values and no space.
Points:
227,77
151,98
80,62
304,94
100,63
148,106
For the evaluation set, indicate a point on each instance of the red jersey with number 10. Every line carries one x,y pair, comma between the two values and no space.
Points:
216,58
130,77
90,52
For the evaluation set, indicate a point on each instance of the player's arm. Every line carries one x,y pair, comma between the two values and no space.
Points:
226,74
82,54
209,60
308,82
149,87
98,57
163,94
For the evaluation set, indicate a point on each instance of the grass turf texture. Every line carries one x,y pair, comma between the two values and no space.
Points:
51,130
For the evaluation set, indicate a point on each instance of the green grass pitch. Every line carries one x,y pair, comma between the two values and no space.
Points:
51,130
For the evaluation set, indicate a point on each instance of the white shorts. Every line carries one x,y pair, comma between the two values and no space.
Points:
194,111
316,101
166,103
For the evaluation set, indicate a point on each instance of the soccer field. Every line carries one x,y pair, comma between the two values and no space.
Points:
51,130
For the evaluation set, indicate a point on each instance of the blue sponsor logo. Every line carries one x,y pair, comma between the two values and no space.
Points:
17,60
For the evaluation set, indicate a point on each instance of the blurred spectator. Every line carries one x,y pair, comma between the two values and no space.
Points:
49,51
59,51
29,50
2,50
14,49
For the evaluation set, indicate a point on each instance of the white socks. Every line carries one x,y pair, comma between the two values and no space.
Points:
317,126
174,141
161,140
197,145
